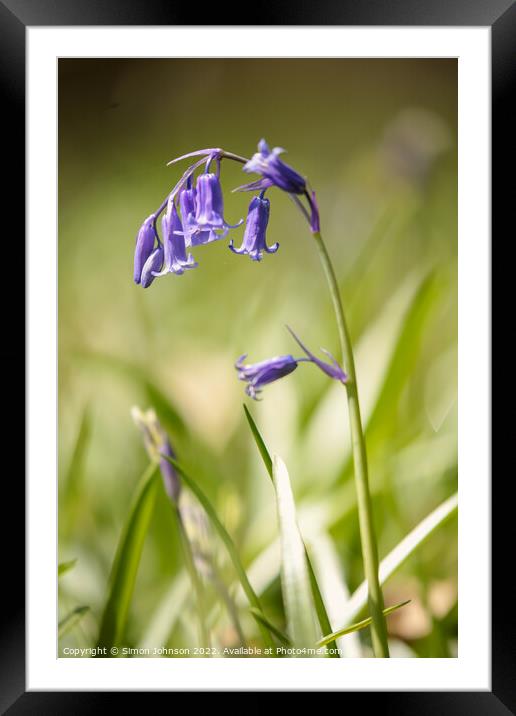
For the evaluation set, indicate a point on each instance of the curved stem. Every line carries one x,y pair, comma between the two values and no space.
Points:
365,516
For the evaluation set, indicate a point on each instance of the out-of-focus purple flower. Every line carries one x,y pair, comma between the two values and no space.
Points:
157,443
333,369
259,374
254,242
273,170
209,205
152,267
175,258
144,246
168,473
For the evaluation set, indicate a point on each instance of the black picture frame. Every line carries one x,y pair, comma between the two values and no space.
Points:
15,16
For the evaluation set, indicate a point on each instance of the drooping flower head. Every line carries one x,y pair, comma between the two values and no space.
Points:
267,371
156,443
194,236
209,212
259,374
254,242
209,205
275,173
175,257
195,211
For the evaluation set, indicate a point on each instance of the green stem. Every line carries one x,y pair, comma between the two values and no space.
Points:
365,515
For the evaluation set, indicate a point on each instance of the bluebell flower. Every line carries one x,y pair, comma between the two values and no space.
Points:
201,218
168,473
156,443
259,374
175,258
152,266
273,170
144,246
209,205
194,236
254,242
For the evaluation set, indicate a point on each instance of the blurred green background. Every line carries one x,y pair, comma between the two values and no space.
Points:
378,141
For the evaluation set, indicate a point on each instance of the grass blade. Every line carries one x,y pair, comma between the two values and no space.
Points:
64,567
70,620
261,619
127,559
75,467
403,551
228,543
322,614
295,582
260,444
70,488
320,609
359,625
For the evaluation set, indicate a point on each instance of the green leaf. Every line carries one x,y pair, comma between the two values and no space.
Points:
405,355
403,551
295,582
359,625
69,496
324,620
260,444
261,619
70,620
226,539
322,614
127,559
64,567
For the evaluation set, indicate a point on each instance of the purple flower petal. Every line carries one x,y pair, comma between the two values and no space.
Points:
259,374
144,246
152,266
254,241
271,167
175,258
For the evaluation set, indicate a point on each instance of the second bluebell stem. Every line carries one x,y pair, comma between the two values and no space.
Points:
365,512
